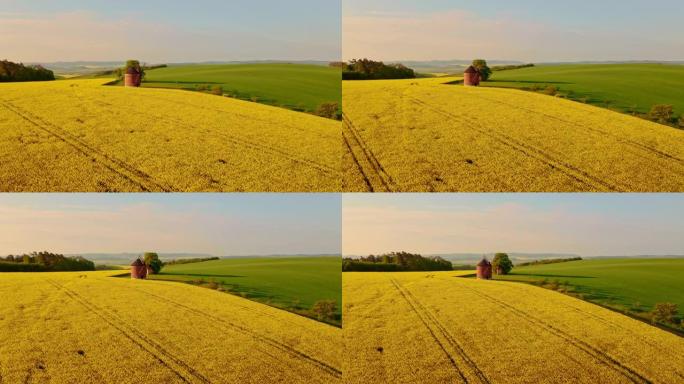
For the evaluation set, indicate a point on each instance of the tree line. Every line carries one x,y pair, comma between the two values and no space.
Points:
396,262
190,261
549,261
44,262
365,69
18,72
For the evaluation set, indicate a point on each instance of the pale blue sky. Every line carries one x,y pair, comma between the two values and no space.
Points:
170,31
585,224
218,224
525,30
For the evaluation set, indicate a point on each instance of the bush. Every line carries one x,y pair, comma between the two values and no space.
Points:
551,90
661,113
324,310
217,90
681,122
201,88
664,313
329,111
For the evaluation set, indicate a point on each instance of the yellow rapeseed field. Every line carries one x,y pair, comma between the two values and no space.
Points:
434,135
434,327
91,328
78,135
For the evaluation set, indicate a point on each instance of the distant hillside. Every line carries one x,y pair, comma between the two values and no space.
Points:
126,258
81,68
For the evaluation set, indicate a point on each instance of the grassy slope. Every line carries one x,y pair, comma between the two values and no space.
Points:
289,85
623,87
615,282
278,280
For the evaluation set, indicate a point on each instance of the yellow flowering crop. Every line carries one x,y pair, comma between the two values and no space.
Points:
92,328
424,135
435,327
78,135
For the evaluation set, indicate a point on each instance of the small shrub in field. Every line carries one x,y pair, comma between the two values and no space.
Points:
213,285
329,111
662,113
201,87
254,99
324,309
664,313
681,122
217,90
551,90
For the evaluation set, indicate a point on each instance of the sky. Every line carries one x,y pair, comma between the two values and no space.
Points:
523,30
582,224
156,31
216,224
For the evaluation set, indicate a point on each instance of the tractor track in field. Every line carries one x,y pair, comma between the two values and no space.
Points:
633,143
244,307
359,168
299,355
239,141
585,347
370,174
431,323
530,151
185,372
252,118
135,176
619,326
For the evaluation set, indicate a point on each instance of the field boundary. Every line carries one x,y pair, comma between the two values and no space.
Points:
428,319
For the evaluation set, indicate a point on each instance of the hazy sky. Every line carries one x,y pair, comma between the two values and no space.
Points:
218,224
169,31
523,30
584,224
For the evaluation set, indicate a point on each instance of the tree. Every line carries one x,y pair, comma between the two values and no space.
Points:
662,113
664,313
26,259
324,310
152,261
329,111
481,66
502,264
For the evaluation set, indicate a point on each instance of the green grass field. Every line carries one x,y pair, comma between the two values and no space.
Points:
293,86
618,283
623,87
290,283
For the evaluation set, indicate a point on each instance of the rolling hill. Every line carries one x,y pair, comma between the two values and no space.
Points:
473,331
635,284
89,327
291,283
623,87
293,86
434,135
81,136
